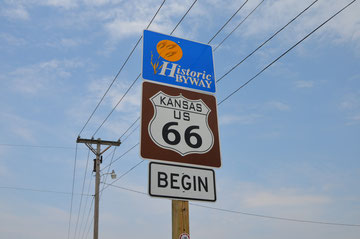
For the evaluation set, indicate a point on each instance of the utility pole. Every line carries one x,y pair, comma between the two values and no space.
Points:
98,153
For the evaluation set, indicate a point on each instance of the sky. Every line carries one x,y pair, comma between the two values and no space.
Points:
289,139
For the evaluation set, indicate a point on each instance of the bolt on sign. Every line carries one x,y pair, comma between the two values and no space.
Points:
178,62
179,125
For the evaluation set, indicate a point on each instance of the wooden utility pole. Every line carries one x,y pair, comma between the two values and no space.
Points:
180,218
98,153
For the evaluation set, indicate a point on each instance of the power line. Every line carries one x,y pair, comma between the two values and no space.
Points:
247,57
227,22
124,174
183,17
238,25
262,44
42,190
126,189
221,28
322,24
86,202
139,75
130,127
277,218
106,184
251,214
131,133
111,161
72,191
120,157
87,219
108,170
132,84
126,92
36,146
82,191
90,225
259,215
121,68
113,83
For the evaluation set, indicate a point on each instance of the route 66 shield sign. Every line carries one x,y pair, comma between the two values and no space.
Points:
183,123
178,125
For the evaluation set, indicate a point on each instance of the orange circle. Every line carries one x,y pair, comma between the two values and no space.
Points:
169,50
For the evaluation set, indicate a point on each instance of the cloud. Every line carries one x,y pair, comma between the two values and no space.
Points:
355,118
351,106
272,15
252,196
253,113
277,105
30,216
122,22
124,114
12,40
66,4
282,199
19,126
130,102
304,84
71,42
235,119
351,101
4,171
40,77
16,12
24,133
120,28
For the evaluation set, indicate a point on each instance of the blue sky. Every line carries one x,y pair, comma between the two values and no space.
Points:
289,139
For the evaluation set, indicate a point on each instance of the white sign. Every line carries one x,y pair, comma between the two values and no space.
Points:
180,124
181,182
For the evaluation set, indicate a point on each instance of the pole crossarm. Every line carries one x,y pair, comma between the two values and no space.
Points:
98,141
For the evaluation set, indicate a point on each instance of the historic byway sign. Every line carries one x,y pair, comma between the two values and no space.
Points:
178,62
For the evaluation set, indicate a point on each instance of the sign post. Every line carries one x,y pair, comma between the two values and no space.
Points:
180,219
179,123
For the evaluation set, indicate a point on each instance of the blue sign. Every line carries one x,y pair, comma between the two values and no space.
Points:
178,62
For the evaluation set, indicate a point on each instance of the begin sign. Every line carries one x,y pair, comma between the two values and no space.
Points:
181,182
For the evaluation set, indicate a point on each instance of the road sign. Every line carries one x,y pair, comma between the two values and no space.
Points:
179,125
178,62
181,182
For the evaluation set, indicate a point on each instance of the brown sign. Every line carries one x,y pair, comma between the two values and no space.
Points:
180,126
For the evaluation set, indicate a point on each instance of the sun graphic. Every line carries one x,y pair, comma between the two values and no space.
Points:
168,50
